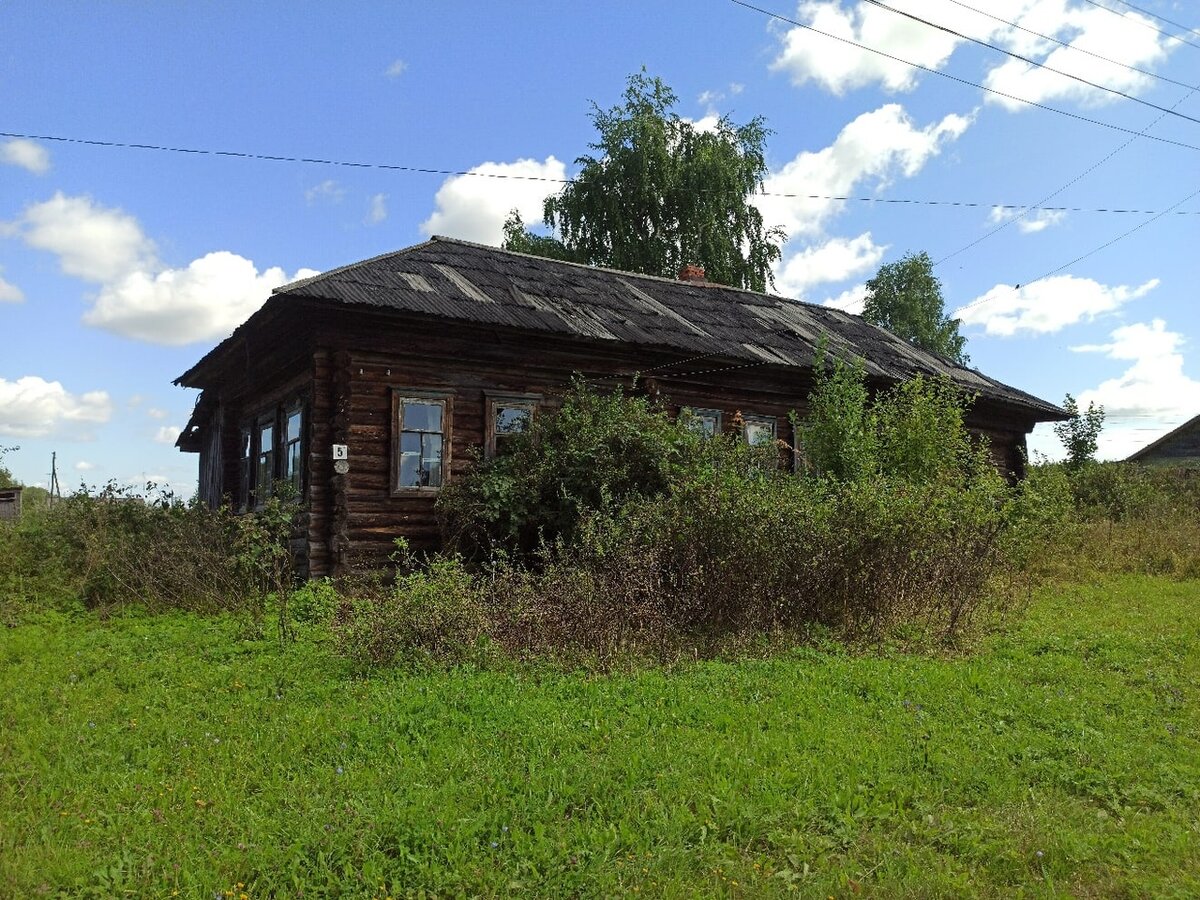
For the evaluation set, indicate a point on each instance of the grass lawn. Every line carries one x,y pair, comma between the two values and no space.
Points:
145,756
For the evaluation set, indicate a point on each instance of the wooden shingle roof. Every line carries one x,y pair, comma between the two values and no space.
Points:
462,281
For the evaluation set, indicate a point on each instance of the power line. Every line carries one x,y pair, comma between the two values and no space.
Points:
275,157
1074,47
1153,15
1031,62
1121,15
1053,109
1092,252
1053,194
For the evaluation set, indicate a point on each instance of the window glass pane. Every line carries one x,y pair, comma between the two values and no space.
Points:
293,464
512,419
760,431
266,438
431,460
421,416
293,425
410,459
705,422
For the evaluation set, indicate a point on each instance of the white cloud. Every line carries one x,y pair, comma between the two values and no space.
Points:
1089,28
839,67
852,300
879,145
167,434
328,191
1048,305
474,207
376,209
32,407
27,154
9,292
92,242
1151,396
831,261
396,69
1030,223
202,301
139,296
84,466
155,413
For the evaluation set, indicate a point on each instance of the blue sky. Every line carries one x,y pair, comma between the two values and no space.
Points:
120,267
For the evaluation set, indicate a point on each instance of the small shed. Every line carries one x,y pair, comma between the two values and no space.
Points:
10,504
1180,447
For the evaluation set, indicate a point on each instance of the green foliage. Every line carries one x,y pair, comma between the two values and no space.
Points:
905,297
913,431
1080,433
116,547
314,602
660,194
521,240
6,476
149,755
594,453
431,613
839,437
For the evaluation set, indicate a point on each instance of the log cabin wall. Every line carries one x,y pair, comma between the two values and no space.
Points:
356,517
351,520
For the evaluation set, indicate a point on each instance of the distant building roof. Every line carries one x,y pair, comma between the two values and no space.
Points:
1165,447
461,281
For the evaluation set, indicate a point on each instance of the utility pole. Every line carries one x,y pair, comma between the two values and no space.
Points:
55,490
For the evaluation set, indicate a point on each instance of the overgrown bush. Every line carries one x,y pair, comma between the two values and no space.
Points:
1126,518
434,612
594,453
113,547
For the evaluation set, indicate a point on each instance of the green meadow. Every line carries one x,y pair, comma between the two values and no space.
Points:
173,755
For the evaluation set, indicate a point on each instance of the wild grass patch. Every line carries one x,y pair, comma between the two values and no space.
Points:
152,754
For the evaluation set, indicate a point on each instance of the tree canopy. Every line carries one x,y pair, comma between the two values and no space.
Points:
661,193
905,297
1080,434
6,476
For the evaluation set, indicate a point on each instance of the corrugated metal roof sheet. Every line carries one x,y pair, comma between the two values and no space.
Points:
468,282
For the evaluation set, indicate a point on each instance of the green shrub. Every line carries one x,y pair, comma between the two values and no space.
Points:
114,547
433,613
314,602
595,453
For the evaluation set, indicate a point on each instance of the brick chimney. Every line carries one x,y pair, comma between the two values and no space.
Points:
692,274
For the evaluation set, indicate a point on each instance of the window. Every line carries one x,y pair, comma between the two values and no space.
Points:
264,468
705,422
292,445
247,471
271,451
421,444
759,430
507,415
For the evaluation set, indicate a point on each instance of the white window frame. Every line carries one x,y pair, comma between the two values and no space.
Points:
445,399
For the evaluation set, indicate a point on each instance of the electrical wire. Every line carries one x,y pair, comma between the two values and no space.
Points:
275,157
1075,47
1154,15
974,84
1052,195
1092,252
1121,15
1031,62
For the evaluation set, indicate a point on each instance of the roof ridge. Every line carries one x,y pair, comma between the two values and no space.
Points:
304,282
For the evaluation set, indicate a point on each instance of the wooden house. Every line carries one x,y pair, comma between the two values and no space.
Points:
1180,447
366,388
